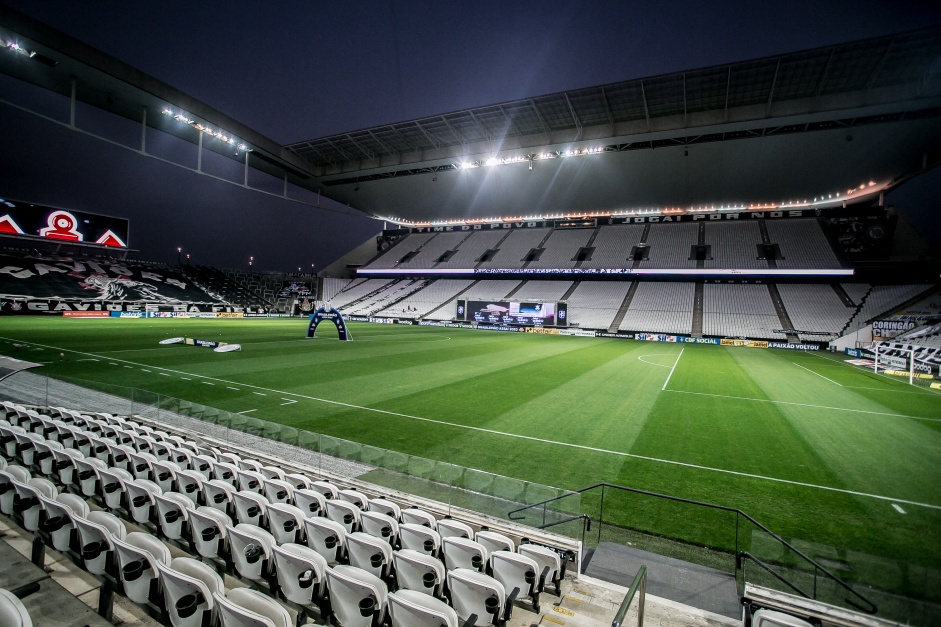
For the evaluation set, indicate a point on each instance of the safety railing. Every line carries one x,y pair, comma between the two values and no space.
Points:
638,586
795,564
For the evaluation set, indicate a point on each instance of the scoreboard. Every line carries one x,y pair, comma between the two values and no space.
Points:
520,313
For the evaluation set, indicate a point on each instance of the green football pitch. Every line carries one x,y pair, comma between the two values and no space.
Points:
814,448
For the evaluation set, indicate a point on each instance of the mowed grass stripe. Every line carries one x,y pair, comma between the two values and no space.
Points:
582,456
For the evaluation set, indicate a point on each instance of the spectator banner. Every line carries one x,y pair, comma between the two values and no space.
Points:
65,278
295,288
888,329
43,306
23,219
750,343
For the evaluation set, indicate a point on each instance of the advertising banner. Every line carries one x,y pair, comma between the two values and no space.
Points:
658,337
701,340
749,343
797,347
86,314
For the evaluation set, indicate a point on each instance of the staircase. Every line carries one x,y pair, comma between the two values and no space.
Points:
622,311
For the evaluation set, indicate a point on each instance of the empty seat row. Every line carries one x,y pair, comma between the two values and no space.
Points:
204,510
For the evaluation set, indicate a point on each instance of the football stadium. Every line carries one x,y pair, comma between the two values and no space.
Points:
695,382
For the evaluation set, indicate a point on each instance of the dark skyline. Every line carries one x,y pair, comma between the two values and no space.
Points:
296,71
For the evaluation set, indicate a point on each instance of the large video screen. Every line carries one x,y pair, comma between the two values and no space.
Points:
512,312
18,218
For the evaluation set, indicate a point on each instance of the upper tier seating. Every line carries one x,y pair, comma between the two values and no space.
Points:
515,247
802,244
561,248
734,245
613,246
670,245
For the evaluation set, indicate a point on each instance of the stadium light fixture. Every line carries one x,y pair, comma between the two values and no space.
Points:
202,128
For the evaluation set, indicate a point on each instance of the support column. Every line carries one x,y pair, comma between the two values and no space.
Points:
143,132
199,154
72,104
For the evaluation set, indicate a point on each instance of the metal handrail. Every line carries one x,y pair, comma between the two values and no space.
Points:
639,583
868,606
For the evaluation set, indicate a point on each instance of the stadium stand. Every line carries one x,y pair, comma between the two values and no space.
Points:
613,245
409,244
739,310
814,307
542,290
669,245
386,296
471,249
432,250
331,287
561,248
802,244
431,296
661,307
593,304
95,279
734,245
514,249
169,561
357,290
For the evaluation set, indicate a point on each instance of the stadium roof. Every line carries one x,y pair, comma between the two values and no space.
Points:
806,128
830,119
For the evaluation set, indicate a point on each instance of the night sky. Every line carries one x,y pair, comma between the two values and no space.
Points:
296,70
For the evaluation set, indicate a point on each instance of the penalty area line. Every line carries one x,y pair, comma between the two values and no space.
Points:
817,373
768,400
570,445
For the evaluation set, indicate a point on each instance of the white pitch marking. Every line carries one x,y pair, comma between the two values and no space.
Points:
768,400
232,388
898,508
88,359
817,373
289,401
669,376
247,411
601,450
113,363
259,394
163,374
144,370
207,383
186,378
641,358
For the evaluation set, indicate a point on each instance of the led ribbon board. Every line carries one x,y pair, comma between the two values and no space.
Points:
331,315
18,218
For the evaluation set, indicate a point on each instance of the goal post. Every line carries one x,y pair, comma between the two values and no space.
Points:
888,362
